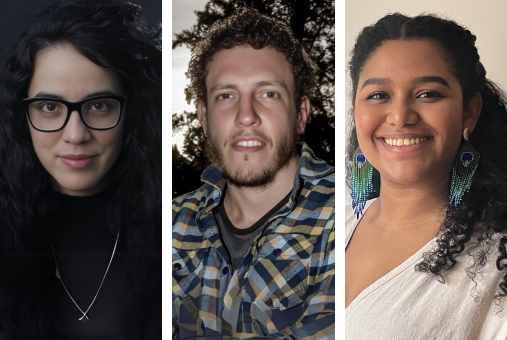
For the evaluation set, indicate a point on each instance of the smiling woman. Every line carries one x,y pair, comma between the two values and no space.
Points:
80,184
428,186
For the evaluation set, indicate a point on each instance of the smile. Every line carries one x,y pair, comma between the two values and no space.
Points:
405,141
249,143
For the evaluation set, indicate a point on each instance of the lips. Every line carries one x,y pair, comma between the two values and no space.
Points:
77,161
248,144
404,143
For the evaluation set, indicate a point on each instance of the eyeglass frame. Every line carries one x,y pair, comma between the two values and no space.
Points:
71,107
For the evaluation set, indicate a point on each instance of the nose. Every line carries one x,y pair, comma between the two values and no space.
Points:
246,115
402,112
75,131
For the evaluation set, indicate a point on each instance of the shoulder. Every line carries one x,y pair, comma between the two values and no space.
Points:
199,199
350,217
351,220
191,202
319,192
319,181
192,215
185,209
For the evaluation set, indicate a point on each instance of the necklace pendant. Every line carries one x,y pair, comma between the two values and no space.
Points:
84,319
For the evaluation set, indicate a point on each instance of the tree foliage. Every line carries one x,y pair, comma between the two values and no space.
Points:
312,22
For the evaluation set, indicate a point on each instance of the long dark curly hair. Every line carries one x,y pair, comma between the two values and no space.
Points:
114,36
483,210
248,27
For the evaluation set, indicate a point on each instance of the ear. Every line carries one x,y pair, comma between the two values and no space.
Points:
201,113
304,111
473,112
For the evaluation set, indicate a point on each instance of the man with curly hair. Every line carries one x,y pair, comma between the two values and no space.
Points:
253,248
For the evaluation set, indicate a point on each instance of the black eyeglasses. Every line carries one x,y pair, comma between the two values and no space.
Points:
97,113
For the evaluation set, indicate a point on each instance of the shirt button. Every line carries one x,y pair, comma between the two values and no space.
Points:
177,266
277,252
225,270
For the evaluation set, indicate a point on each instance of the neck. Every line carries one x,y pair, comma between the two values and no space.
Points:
245,206
411,206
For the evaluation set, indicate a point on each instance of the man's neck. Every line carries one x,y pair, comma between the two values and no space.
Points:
245,206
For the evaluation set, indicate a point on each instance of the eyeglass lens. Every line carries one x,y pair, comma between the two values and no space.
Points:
98,113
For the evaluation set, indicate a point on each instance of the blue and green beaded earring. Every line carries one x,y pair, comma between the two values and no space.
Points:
360,181
463,170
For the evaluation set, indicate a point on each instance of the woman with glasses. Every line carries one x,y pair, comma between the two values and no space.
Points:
80,177
426,236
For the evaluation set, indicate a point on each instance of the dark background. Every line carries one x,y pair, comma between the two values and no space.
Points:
14,15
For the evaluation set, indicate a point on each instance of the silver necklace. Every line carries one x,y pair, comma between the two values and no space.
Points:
84,317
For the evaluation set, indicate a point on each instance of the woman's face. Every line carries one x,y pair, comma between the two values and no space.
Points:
409,112
77,158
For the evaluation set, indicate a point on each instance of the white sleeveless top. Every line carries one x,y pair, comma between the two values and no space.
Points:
407,305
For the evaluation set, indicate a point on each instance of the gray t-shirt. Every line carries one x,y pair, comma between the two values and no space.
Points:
238,241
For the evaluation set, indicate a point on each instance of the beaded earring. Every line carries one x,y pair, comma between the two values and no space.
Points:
360,181
463,170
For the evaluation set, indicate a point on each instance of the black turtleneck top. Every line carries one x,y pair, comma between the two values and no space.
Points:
83,244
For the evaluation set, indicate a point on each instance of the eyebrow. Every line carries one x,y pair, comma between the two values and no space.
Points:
432,79
94,94
420,80
223,87
375,81
259,84
273,83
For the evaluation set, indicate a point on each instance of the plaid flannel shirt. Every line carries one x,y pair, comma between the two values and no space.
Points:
283,288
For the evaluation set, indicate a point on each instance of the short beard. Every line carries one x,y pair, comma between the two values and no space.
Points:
244,177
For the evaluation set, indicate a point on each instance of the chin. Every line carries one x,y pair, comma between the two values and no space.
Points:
246,177
409,179
78,186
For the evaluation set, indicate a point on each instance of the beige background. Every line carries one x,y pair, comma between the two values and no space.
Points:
487,20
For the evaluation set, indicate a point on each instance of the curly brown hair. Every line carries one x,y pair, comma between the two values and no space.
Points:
249,27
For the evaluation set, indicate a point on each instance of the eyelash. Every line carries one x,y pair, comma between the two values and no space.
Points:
276,95
423,95
371,96
433,94
224,94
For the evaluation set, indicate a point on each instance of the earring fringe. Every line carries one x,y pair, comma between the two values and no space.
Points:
463,170
361,182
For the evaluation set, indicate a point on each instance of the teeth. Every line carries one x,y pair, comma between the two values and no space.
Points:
405,142
249,143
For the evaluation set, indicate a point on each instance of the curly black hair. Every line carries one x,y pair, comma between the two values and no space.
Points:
115,36
483,210
248,27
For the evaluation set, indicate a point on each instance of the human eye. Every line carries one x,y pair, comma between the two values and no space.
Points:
378,96
270,94
430,95
99,106
224,96
49,107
